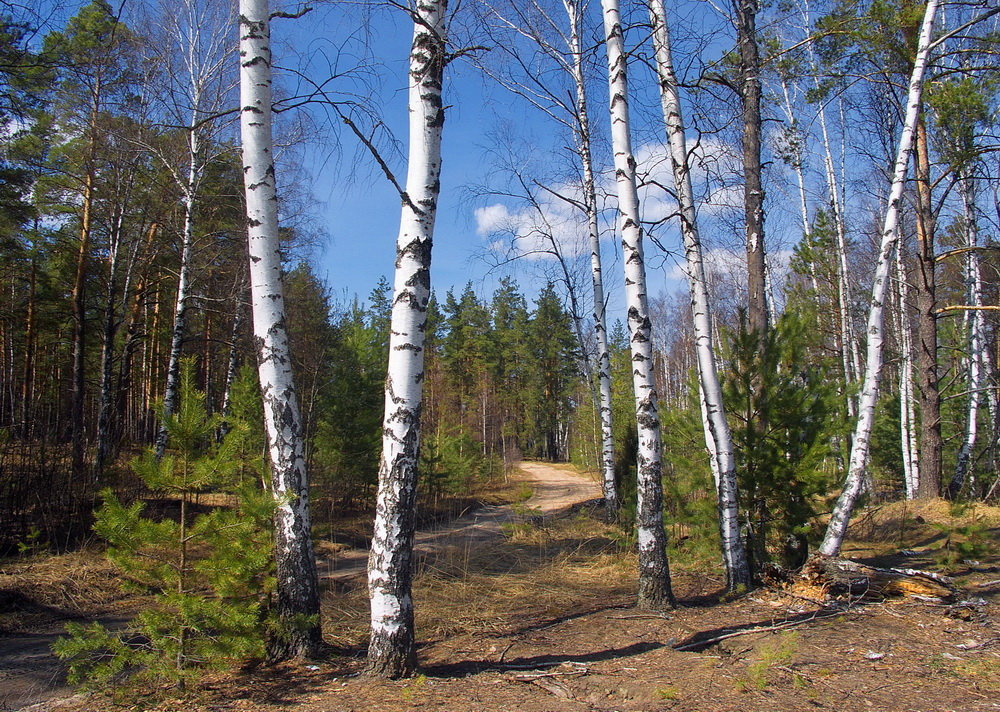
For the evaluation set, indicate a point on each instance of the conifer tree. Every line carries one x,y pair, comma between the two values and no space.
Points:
209,574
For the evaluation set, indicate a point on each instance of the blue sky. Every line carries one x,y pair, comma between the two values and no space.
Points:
360,212
359,209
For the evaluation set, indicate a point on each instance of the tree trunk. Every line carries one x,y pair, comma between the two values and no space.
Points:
837,528
927,374
907,414
654,573
391,651
607,459
297,583
30,338
745,16
977,329
79,298
179,329
718,438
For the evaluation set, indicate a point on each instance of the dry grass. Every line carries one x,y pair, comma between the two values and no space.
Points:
914,524
540,572
35,590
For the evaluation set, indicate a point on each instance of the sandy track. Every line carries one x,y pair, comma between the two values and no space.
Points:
553,491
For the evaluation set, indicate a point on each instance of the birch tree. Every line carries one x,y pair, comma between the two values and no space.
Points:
195,54
907,412
837,528
391,650
717,435
297,603
563,46
976,333
654,574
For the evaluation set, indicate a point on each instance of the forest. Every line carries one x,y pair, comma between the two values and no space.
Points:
708,353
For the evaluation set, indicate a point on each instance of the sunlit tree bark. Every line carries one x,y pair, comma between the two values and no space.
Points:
718,438
297,603
654,573
391,650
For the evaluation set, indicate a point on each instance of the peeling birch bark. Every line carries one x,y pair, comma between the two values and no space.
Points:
297,583
837,528
391,651
717,436
654,572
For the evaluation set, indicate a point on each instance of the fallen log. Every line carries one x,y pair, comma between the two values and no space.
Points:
839,578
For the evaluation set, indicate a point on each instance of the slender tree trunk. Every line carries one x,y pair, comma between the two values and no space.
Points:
745,16
931,443
30,338
607,459
391,651
837,528
654,572
233,362
297,583
977,328
850,357
718,438
179,329
79,298
797,165
907,415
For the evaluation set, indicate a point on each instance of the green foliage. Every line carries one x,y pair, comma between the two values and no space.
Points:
452,464
207,573
690,502
784,413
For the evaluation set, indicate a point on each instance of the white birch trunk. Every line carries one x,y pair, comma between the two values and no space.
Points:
179,328
907,412
654,573
610,490
718,437
391,652
977,328
800,179
848,341
297,583
850,354
837,528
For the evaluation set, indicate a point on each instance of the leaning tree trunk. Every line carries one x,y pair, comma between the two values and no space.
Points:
654,573
837,528
718,437
611,501
391,651
297,583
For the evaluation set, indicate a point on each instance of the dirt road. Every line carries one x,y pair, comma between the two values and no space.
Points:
553,490
30,674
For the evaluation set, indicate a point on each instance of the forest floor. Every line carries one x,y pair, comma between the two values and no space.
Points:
535,612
